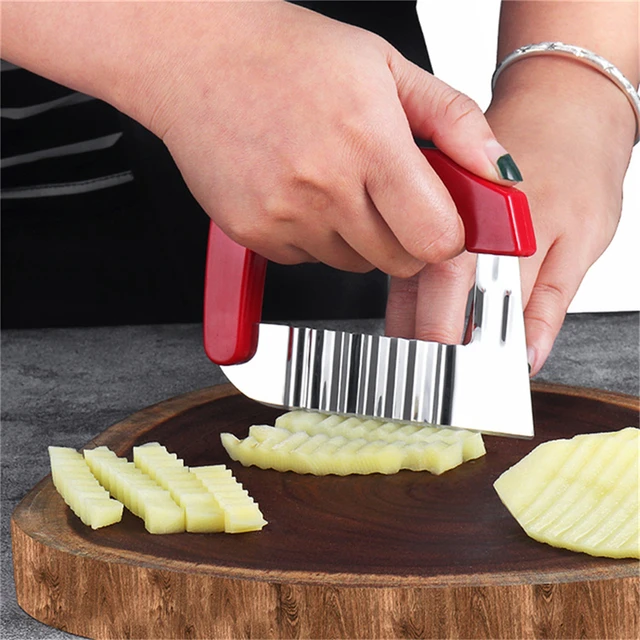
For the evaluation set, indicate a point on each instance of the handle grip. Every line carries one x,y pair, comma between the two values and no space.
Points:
233,291
496,220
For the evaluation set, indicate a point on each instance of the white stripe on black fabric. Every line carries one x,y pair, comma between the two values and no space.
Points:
67,188
20,113
66,150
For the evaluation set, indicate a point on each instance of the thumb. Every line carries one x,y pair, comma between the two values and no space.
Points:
453,121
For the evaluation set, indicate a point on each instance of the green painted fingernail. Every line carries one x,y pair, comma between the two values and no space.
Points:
508,169
424,144
502,162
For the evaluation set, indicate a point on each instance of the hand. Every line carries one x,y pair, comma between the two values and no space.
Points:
294,132
571,138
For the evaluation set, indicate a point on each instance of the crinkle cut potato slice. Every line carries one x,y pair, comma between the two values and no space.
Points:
78,487
213,500
157,487
143,496
322,444
579,494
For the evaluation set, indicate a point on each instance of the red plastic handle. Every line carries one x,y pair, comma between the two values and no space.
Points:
496,220
233,290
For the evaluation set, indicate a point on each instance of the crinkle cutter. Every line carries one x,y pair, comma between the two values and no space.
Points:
482,385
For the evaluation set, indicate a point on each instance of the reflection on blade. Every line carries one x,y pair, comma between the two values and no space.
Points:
483,385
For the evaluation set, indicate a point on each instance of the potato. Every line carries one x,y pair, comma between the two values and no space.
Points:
79,488
579,494
214,502
321,444
137,491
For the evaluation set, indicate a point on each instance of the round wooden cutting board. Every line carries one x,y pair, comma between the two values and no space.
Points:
408,555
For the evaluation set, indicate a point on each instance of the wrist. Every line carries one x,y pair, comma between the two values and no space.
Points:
553,86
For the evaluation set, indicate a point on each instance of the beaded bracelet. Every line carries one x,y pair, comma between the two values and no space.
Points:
582,55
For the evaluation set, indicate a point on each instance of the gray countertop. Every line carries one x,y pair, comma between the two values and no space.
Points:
65,386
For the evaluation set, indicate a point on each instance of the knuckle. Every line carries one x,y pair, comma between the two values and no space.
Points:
546,309
303,193
365,128
405,270
452,107
457,107
446,245
549,295
361,137
310,186
277,209
539,324
452,271
312,192
241,229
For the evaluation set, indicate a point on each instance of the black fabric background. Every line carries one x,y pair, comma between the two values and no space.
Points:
135,253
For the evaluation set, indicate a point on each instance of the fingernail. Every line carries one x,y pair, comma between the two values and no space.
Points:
503,163
424,144
531,358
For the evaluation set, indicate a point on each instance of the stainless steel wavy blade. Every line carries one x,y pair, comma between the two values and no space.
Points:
482,385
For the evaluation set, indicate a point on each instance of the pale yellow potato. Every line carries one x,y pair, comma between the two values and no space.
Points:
155,453
300,420
241,513
320,444
80,490
74,480
434,457
137,489
111,474
211,471
153,504
143,495
172,501
100,513
243,517
353,428
101,452
204,512
229,497
579,494
205,520
164,516
220,482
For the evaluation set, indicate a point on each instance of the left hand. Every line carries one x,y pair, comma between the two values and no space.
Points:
572,147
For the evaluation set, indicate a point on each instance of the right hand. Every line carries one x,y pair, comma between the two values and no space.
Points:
295,134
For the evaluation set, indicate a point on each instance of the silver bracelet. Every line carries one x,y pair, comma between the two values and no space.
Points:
583,55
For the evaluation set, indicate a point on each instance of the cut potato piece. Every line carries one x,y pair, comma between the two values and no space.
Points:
321,444
202,512
213,502
579,494
354,428
241,512
139,493
79,488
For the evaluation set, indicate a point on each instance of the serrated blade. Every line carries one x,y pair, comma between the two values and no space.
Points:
482,386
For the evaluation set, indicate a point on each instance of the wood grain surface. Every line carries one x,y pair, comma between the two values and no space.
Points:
409,555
